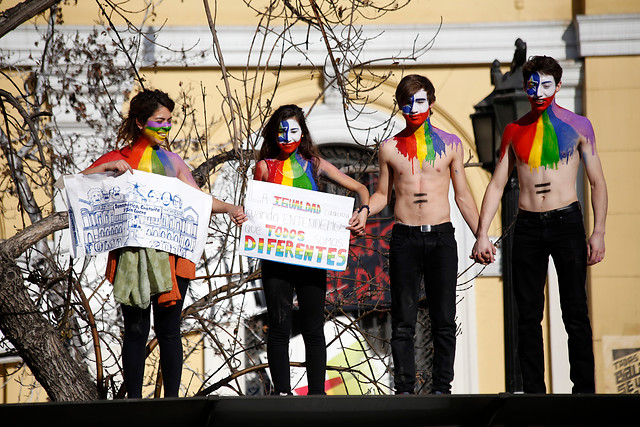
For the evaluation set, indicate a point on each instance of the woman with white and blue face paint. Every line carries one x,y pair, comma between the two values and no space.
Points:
289,157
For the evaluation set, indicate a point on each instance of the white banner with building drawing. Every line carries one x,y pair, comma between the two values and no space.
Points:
140,209
296,226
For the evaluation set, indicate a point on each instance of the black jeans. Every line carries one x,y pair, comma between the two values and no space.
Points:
166,323
279,280
415,254
559,234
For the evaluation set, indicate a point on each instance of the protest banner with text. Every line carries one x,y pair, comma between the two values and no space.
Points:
296,226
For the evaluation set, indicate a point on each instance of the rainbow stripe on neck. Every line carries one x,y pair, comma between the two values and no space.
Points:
151,158
423,145
294,172
547,141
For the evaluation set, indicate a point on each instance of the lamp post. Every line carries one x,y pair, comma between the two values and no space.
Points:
506,103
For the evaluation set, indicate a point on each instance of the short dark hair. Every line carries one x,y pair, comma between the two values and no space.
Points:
141,107
412,83
542,64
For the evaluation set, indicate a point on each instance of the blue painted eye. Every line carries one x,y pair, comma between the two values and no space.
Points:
283,134
532,84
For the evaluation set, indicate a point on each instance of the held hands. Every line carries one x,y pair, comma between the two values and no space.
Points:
483,251
358,221
237,215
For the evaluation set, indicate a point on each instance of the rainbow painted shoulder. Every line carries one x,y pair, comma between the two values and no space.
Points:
581,124
450,139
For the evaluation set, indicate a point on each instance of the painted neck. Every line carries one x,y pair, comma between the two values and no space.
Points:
416,123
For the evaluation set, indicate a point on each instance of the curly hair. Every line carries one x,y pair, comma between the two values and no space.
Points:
141,107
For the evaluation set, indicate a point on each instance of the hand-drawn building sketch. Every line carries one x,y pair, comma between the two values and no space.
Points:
144,213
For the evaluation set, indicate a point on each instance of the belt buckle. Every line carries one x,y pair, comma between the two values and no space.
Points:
545,215
425,228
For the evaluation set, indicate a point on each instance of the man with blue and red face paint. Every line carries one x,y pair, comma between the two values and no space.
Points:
420,162
546,146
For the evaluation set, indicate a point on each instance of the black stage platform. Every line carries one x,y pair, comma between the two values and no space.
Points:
394,411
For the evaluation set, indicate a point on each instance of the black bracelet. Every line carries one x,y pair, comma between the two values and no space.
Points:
363,207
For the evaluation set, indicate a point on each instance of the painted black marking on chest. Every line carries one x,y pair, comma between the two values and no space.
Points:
420,198
543,188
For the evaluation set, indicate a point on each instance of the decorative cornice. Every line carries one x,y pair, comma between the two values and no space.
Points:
451,44
476,43
608,35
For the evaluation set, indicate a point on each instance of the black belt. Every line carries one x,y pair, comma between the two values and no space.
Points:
555,213
444,227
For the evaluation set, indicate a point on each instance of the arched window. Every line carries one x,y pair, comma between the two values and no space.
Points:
366,280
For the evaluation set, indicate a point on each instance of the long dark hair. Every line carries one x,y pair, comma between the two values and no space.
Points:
141,107
270,148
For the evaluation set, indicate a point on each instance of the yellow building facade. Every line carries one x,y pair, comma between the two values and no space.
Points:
596,41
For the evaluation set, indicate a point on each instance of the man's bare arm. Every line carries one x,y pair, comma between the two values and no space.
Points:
463,196
599,203
483,250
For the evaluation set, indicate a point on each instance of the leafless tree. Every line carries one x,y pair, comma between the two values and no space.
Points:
55,312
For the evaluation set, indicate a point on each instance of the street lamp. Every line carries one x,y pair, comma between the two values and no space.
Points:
485,132
505,104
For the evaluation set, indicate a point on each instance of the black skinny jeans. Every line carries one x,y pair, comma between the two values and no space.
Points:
279,280
414,255
559,234
166,323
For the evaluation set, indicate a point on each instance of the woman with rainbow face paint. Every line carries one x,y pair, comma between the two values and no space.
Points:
546,146
289,157
146,128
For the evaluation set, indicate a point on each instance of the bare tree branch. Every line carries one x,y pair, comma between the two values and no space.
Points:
18,244
11,18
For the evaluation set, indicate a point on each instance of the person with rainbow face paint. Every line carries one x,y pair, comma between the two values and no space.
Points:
289,157
146,128
419,163
546,146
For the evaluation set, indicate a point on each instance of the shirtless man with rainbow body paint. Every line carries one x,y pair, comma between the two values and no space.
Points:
546,146
420,162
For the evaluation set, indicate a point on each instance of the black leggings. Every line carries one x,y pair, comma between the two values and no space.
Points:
279,281
166,322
